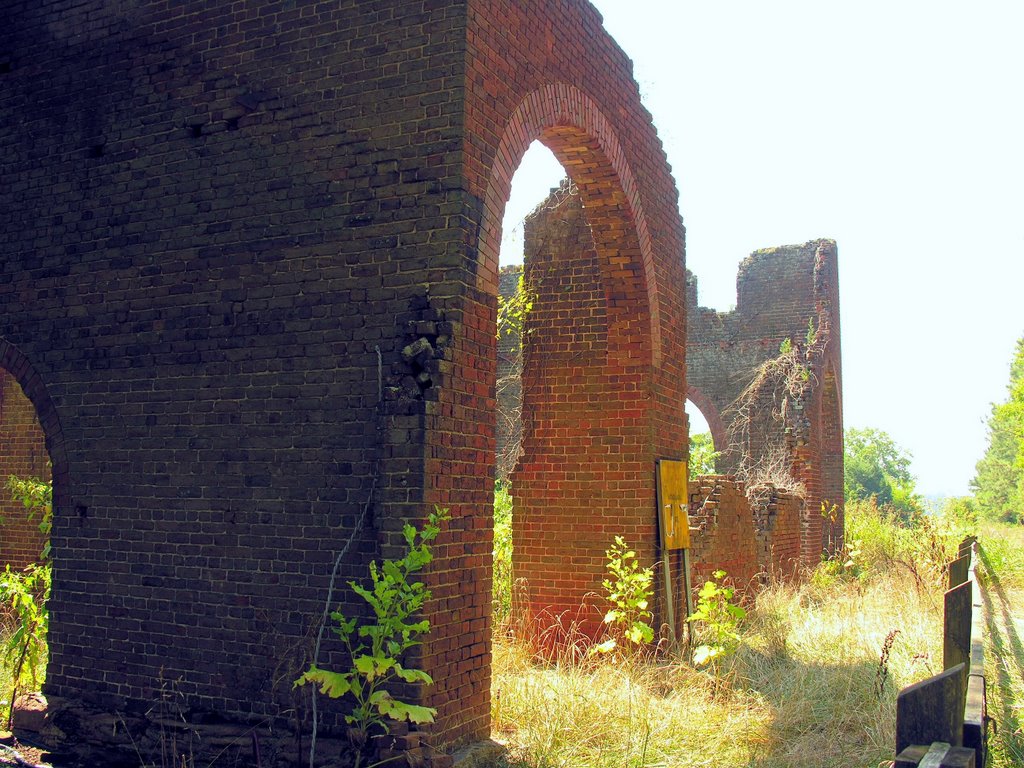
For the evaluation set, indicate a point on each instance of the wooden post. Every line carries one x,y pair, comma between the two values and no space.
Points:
958,571
956,636
932,710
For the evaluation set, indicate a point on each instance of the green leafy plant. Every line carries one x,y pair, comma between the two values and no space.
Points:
25,595
502,602
37,496
703,455
812,332
716,620
512,311
629,591
377,647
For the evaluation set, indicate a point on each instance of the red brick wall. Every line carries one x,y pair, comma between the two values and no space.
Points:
778,522
750,541
22,454
585,468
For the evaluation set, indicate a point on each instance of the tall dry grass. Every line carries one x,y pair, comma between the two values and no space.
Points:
813,683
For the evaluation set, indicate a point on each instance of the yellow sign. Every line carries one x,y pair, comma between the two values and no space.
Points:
673,504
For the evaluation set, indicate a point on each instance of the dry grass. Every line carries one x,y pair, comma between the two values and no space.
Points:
808,686
1002,572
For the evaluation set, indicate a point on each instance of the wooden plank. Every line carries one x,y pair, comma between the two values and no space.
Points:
977,631
956,636
932,710
975,710
911,757
938,755
934,756
958,571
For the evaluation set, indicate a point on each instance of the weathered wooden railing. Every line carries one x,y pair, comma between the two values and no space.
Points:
940,722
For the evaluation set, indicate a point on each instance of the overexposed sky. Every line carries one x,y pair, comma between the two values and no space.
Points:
895,128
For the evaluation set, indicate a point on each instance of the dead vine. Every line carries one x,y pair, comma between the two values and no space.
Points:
768,420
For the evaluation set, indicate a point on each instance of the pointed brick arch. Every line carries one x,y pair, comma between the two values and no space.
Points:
711,414
573,127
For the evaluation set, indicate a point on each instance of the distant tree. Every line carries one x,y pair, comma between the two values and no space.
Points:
999,483
702,454
876,467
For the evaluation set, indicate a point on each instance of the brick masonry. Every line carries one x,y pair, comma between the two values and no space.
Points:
571,440
779,290
748,541
248,280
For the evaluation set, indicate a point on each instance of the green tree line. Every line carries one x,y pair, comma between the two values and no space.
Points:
998,484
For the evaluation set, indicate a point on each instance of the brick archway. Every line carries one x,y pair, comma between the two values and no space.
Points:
286,325
711,414
15,363
573,127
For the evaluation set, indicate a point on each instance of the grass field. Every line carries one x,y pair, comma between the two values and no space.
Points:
1002,555
813,683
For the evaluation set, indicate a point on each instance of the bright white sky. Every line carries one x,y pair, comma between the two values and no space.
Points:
896,128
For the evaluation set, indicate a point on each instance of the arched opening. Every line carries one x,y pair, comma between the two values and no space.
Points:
538,174
704,451
24,474
591,340
32,484
704,418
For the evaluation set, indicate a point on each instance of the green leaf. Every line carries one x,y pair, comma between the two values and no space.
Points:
413,675
334,684
399,710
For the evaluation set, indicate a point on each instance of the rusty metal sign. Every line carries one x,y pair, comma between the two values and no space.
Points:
673,504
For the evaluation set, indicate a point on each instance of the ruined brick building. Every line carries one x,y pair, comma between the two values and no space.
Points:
248,279
248,269
783,438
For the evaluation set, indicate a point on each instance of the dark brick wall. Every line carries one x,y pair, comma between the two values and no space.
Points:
248,279
214,217
22,454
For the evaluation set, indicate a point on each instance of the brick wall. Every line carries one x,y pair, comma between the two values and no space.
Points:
750,540
22,454
581,480
216,220
248,279
548,72
779,290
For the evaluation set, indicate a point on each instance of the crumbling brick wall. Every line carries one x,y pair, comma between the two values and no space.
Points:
249,269
722,531
750,540
23,455
782,293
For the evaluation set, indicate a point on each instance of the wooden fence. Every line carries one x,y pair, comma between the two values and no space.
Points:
940,722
